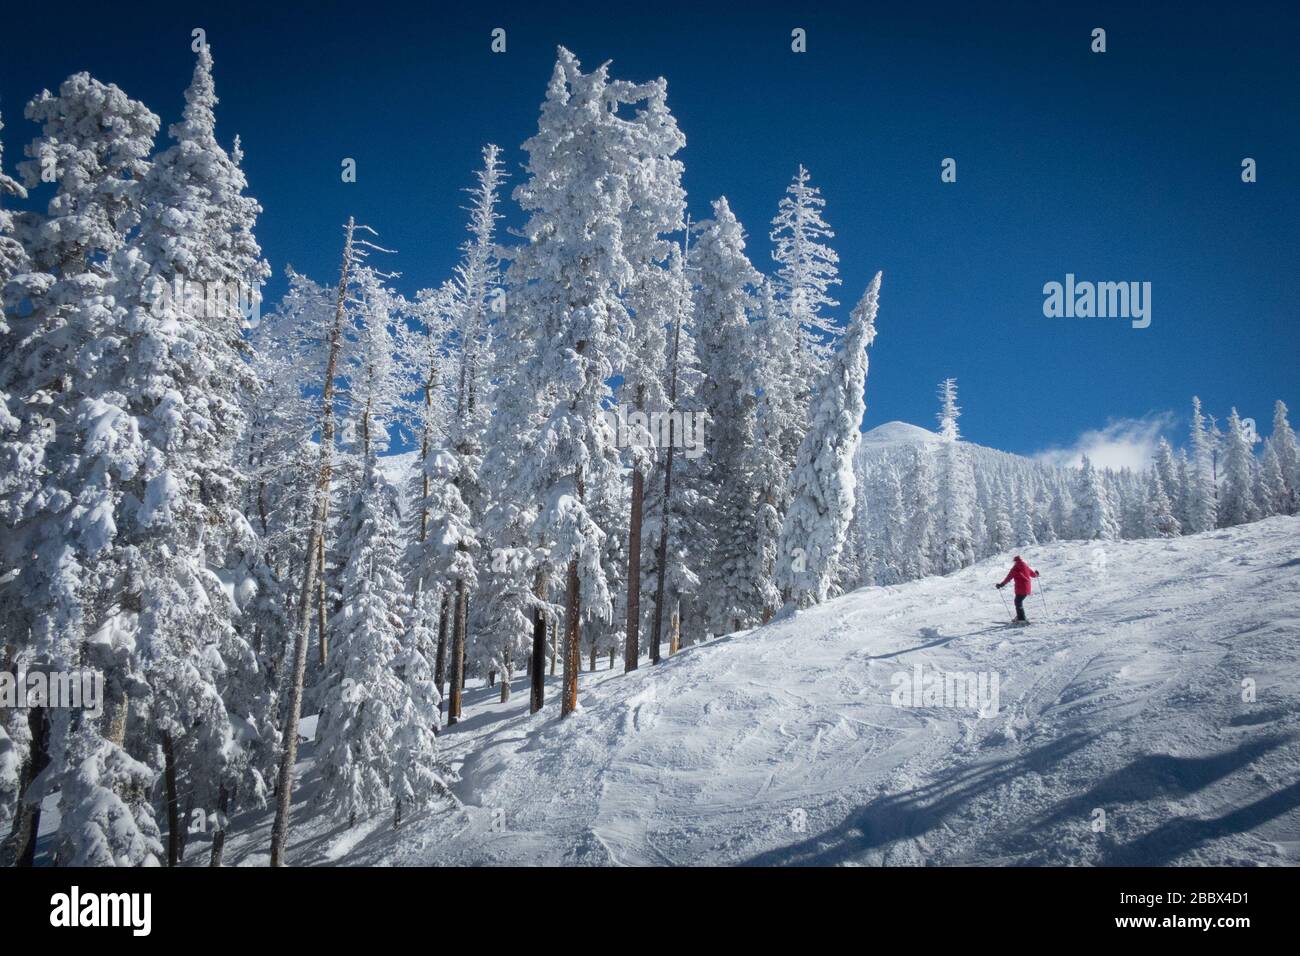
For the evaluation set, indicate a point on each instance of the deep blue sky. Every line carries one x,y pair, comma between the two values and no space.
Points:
1119,166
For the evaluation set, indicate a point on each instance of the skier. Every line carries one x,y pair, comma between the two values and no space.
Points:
1022,574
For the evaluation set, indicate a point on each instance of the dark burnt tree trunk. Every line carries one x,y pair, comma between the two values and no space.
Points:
537,668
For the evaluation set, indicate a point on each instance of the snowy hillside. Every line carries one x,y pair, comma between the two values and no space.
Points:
894,441
894,433
781,745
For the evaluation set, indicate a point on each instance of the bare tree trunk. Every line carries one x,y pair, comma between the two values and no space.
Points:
27,821
505,674
675,635
289,755
631,648
187,814
572,642
661,553
555,650
611,658
173,803
322,636
593,657
440,665
219,835
115,713
458,653
537,669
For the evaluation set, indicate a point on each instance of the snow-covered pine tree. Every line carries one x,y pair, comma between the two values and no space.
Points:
424,343
1202,494
313,552
1270,487
424,346
1170,479
448,562
1023,535
1062,511
1288,458
179,363
1237,497
725,299
806,269
376,378
1094,515
68,442
822,486
419,775
519,606
476,283
13,257
892,559
780,428
673,518
955,487
1159,519
1001,534
106,818
1182,504
567,281
14,732
656,209
279,451
375,736
918,500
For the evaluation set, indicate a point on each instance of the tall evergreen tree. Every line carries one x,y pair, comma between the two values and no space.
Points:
1271,497
567,280
179,363
806,268
725,299
69,445
376,745
1237,500
1094,514
822,485
1288,458
954,542
1202,495
1159,514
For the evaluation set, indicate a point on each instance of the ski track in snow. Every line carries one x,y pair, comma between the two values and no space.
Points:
781,745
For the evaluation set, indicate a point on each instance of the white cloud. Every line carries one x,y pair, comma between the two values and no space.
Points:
1122,443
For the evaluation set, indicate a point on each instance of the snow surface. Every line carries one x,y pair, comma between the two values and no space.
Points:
781,745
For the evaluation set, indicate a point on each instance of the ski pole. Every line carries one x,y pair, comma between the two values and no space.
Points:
1042,594
1005,606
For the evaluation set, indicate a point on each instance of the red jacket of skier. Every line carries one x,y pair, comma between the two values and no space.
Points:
1022,574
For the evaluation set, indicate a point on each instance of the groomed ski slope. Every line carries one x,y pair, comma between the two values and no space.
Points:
781,745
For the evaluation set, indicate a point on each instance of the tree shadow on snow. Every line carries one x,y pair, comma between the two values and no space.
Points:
1169,841
939,640
1159,776
916,812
